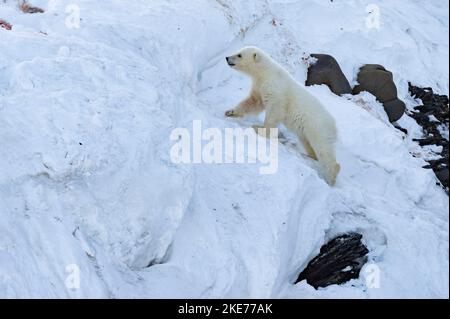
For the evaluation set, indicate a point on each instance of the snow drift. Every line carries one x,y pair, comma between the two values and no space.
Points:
86,180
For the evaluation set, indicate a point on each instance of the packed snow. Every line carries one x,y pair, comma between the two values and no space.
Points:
92,206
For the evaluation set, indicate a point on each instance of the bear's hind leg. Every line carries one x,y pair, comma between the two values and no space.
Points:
327,159
308,147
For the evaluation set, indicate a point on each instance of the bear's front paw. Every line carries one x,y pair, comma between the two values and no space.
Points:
232,113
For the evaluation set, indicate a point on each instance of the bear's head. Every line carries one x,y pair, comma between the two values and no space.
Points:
248,60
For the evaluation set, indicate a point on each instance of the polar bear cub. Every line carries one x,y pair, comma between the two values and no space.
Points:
288,102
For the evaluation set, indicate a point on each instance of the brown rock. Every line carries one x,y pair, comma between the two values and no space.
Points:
375,79
394,109
327,71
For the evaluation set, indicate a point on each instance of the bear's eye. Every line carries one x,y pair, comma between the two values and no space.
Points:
239,55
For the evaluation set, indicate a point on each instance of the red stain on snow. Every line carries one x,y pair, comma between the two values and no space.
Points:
5,25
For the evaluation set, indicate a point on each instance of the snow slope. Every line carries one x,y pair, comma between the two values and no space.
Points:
86,177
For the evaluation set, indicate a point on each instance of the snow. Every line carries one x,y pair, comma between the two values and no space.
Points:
87,184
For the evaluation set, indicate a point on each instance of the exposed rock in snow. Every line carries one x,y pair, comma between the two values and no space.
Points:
432,115
326,70
377,80
339,261
89,196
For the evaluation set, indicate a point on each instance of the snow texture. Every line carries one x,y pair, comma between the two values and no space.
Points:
86,177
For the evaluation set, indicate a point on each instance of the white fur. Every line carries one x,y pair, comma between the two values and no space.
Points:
287,101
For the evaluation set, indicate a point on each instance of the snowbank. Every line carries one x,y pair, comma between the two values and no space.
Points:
86,178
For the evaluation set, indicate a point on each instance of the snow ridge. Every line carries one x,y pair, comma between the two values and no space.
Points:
87,184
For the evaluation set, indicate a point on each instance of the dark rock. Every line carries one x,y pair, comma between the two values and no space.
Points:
375,79
442,175
330,266
430,141
327,71
394,109
437,106
404,130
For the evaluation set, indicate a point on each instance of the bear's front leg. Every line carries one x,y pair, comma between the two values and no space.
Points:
251,105
270,123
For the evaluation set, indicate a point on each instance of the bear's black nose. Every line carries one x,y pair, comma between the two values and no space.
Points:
229,61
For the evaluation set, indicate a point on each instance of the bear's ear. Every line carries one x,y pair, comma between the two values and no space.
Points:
256,57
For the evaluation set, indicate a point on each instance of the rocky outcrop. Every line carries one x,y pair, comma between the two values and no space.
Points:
432,115
340,260
327,71
378,81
